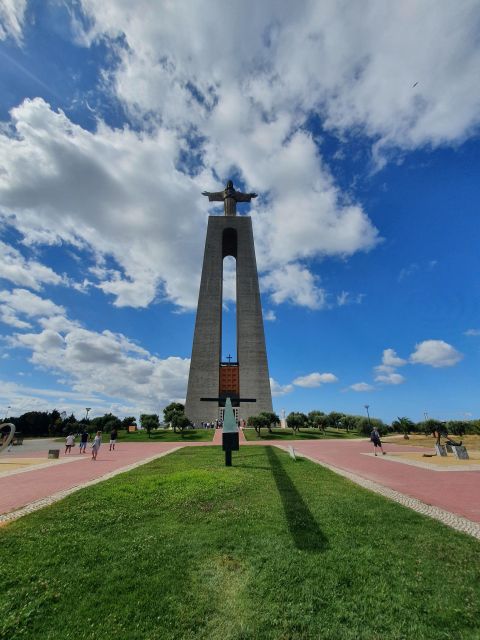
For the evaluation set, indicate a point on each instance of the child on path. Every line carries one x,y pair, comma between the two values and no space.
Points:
83,441
113,439
375,438
96,445
69,442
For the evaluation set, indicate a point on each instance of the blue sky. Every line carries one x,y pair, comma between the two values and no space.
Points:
357,126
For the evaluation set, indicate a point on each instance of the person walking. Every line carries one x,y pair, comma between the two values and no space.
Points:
113,438
83,441
96,445
69,442
375,438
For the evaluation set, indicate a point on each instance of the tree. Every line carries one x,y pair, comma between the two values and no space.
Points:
366,425
349,422
432,427
126,422
149,421
180,422
335,419
315,419
257,422
296,420
171,409
404,425
271,419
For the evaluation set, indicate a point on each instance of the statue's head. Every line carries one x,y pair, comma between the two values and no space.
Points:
229,185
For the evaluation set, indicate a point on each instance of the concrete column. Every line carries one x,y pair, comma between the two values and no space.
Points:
207,342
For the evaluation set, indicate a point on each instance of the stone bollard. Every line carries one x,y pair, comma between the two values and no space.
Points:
54,454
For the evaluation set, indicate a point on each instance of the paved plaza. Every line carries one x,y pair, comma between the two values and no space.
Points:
28,480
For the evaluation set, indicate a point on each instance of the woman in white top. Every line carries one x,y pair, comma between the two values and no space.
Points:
96,445
69,442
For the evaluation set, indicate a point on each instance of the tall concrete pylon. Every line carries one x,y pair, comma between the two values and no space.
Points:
210,378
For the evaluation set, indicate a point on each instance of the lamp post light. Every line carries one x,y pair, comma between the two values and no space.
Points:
7,412
367,406
425,415
87,410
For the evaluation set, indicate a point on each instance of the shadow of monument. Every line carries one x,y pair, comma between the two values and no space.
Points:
303,527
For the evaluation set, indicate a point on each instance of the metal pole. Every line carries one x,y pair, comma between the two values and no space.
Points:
368,416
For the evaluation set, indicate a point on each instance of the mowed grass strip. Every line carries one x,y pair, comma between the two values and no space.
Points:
270,548
301,434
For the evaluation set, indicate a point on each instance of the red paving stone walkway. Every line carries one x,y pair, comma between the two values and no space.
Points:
21,489
454,491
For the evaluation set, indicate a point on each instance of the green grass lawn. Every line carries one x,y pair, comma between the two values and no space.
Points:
184,548
302,434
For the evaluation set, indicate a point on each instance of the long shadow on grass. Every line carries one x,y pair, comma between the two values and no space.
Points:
303,527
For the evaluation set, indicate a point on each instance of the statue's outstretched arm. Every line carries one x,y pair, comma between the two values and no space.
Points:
216,196
244,197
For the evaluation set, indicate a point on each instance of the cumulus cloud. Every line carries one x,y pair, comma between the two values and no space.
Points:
107,364
390,378
208,101
323,58
21,302
295,284
361,386
435,353
279,389
26,273
391,359
315,379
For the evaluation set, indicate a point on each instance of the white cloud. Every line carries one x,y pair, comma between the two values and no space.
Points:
107,365
390,359
240,99
361,386
472,332
25,303
354,64
315,379
436,353
269,316
279,389
26,273
12,15
295,284
390,378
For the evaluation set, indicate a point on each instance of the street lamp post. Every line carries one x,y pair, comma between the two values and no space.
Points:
87,410
7,412
367,406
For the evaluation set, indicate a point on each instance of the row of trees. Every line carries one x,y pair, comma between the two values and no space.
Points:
54,423
362,424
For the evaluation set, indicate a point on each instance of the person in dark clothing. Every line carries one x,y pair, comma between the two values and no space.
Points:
83,441
113,439
375,438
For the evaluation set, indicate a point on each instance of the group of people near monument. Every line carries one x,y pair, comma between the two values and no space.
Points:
95,444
